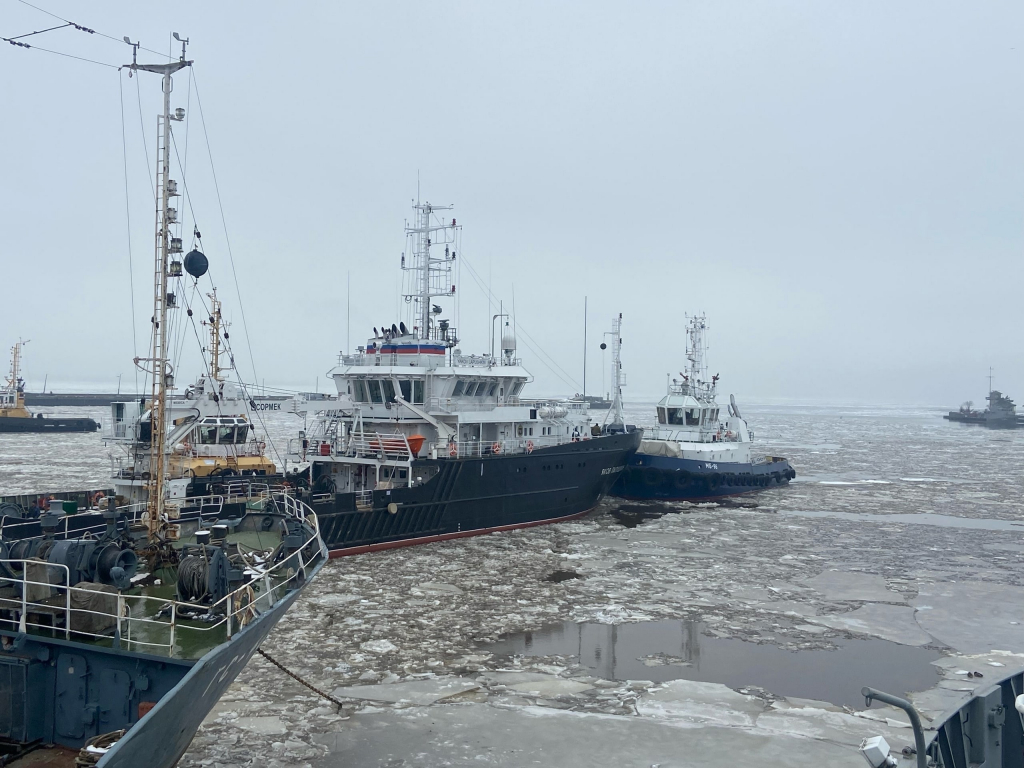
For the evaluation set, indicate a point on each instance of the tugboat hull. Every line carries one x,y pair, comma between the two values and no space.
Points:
52,424
672,479
472,496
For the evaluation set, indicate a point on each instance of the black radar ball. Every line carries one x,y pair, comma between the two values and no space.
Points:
603,345
196,263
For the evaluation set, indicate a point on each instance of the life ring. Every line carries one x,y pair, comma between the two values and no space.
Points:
453,449
529,446
98,497
496,448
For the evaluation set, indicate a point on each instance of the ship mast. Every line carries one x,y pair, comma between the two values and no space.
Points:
431,275
215,323
615,414
12,397
159,360
696,348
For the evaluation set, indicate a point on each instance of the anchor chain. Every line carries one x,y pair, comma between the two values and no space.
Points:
295,677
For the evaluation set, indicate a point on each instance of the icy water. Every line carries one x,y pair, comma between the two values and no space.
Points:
680,650
851,459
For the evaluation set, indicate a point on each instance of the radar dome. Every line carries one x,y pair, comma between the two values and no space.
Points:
508,342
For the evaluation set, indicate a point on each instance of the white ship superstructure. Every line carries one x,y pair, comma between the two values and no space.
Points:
690,420
412,392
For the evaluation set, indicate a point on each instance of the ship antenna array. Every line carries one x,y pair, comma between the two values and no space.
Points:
431,276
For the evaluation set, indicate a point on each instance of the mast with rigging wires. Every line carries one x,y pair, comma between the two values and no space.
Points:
165,246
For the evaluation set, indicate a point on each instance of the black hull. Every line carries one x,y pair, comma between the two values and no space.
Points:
472,496
48,424
660,478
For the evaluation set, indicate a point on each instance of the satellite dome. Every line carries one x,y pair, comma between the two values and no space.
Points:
196,263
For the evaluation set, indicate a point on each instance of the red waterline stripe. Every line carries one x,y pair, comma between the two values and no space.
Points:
446,536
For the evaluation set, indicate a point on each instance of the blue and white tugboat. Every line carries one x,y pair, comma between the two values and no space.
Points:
694,453
121,627
425,442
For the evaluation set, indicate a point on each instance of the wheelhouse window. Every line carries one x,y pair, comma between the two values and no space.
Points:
693,417
389,390
225,435
492,389
661,415
242,433
417,391
676,416
374,388
359,391
406,386
460,387
208,434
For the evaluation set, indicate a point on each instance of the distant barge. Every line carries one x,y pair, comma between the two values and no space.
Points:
15,417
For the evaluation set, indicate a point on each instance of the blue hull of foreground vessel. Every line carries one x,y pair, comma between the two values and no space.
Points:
160,701
675,479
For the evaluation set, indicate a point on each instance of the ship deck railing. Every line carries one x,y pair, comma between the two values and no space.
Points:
506,446
388,447
37,600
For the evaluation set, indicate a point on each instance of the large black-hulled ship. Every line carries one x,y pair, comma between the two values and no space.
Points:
424,442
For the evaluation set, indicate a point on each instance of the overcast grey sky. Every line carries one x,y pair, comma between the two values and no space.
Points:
838,185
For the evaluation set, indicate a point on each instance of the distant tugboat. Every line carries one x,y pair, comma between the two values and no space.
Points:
425,442
15,417
121,627
692,454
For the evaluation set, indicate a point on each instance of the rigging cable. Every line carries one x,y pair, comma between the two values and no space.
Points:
128,217
145,146
13,41
535,346
227,239
84,29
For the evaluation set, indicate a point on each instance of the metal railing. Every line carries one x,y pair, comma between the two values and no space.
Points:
35,602
393,446
516,445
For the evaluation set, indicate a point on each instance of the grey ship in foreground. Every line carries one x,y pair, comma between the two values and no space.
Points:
120,628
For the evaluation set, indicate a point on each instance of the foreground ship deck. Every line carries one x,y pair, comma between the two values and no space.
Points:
81,657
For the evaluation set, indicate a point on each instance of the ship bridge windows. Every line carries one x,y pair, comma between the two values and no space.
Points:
516,388
417,391
389,390
223,431
492,389
661,415
682,416
373,386
359,391
405,386
460,387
